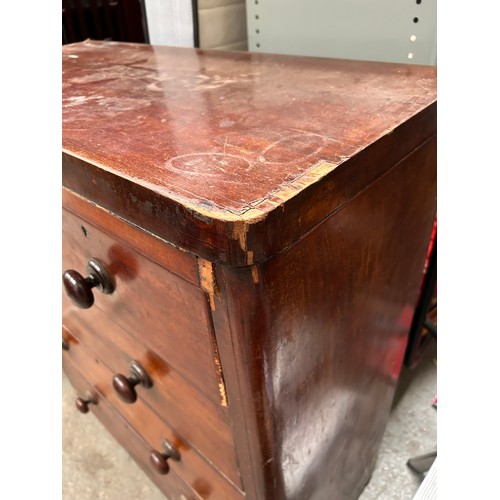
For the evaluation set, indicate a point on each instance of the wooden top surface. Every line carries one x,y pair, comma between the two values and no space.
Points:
230,136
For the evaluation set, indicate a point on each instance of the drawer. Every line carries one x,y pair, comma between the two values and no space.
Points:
192,469
118,427
201,424
165,312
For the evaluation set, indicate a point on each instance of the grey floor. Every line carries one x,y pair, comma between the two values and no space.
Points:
96,467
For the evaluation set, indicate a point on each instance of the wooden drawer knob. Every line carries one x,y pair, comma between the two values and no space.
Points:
82,404
79,289
125,387
159,460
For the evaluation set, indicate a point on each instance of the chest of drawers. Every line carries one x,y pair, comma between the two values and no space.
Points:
243,241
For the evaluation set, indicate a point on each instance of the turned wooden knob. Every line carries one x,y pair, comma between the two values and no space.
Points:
82,404
125,386
79,289
159,459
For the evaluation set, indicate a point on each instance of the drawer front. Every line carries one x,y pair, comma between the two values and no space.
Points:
138,449
199,422
192,469
163,311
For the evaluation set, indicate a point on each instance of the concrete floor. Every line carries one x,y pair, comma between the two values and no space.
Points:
96,467
411,431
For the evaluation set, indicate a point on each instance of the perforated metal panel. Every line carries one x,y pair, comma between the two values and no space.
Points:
376,30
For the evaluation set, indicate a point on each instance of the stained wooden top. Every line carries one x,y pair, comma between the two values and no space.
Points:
227,138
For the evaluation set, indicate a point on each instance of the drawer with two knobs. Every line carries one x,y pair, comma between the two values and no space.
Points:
171,462
135,376
137,329
143,284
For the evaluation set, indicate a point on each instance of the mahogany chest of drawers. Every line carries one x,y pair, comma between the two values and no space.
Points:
243,241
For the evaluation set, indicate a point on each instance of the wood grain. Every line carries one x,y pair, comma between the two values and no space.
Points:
316,343
201,423
160,251
211,160
119,428
296,197
192,468
164,312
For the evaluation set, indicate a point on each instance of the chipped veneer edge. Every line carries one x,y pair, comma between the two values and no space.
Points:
249,216
240,222
208,283
221,384
255,274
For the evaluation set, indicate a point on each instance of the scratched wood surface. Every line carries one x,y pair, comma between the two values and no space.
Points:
304,189
211,148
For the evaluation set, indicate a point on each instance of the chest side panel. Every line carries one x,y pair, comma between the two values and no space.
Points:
318,334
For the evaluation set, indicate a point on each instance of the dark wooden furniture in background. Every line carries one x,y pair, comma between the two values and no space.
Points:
264,222
117,20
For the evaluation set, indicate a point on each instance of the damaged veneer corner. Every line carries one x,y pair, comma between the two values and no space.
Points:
208,283
239,223
272,201
240,231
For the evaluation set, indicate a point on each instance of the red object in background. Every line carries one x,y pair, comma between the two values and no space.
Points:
429,251
424,322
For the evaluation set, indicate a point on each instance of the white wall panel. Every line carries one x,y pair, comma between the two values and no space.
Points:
222,24
378,30
170,22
